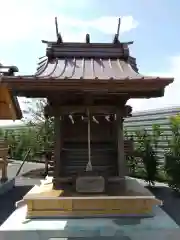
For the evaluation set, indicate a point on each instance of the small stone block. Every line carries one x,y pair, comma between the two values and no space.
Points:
90,184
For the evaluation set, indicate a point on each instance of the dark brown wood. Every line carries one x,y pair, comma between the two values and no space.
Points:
59,37
116,37
87,38
139,87
104,158
75,147
85,48
29,93
64,110
88,52
99,110
120,145
84,45
74,99
57,147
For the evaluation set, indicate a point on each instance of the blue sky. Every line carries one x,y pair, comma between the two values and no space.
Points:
152,25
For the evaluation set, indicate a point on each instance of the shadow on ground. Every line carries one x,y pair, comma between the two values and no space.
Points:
34,173
8,200
171,202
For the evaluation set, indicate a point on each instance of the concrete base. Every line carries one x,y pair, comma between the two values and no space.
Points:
160,227
7,186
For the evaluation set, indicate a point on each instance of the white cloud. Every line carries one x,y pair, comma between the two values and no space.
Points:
24,22
108,24
34,19
171,96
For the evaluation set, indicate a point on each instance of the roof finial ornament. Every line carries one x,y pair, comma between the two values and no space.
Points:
59,37
87,38
116,37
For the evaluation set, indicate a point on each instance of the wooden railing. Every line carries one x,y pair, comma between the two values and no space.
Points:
3,160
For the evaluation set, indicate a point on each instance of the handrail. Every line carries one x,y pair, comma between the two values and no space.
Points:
24,160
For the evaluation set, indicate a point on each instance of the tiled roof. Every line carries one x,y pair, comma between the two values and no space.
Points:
88,68
87,61
75,62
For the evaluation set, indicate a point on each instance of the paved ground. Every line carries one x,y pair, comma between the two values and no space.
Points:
7,201
23,185
171,202
14,166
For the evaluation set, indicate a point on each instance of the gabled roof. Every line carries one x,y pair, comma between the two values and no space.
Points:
87,61
9,105
83,66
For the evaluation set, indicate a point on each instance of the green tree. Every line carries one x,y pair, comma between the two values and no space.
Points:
172,156
43,128
147,145
1,133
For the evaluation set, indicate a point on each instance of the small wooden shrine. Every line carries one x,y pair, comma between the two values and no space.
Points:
87,86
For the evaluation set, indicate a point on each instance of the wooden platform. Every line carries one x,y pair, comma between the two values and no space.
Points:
43,201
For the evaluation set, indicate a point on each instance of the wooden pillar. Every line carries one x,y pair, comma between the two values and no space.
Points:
3,161
46,159
120,145
4,172
57,150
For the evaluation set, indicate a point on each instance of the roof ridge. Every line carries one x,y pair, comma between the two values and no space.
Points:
88,51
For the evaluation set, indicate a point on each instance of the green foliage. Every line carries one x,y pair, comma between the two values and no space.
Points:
44,128
37,133
172,156
146,148
132,161
1,133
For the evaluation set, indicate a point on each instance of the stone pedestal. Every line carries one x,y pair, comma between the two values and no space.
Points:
90,184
